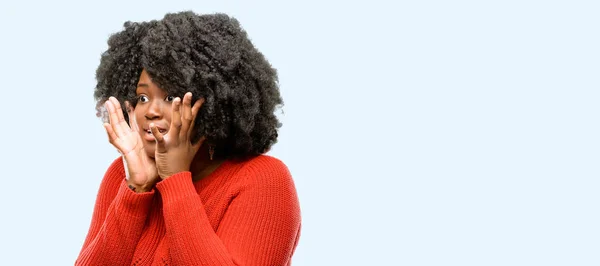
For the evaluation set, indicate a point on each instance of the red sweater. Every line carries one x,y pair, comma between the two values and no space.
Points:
244,213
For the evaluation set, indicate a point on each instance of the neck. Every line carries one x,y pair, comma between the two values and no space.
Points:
202,165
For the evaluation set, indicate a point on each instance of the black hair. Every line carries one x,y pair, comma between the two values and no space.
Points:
210,56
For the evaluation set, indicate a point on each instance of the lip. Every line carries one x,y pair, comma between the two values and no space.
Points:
148,134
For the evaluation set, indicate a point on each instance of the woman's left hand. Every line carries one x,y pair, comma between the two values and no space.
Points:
174,150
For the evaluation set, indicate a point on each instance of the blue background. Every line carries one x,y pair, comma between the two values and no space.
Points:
417,132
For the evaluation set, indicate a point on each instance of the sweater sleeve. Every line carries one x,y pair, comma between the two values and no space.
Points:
117,221
260,227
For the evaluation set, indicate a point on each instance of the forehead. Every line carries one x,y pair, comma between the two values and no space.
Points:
145,78
146,84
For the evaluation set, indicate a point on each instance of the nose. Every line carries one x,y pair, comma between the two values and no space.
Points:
154,111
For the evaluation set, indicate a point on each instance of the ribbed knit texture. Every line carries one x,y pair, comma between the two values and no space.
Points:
244,213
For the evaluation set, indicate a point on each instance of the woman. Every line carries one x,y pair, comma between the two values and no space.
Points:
193,186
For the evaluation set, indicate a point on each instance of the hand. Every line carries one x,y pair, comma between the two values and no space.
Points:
174,151
141,168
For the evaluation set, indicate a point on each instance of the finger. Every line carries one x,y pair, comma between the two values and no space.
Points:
124,126
187,106
176,118
160,139
186,116
132,121
196,146
118,109
196,107
195,110
112,137
110,133
113,117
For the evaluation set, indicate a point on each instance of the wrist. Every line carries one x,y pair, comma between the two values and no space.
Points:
172,173
137,188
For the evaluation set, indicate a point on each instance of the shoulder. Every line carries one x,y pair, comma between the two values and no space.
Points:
267,184
113,178
116,168
266,164
267,172
115,172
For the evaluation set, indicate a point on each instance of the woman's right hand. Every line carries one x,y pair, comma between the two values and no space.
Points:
141,168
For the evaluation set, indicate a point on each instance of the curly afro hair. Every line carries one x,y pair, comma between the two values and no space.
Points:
210,56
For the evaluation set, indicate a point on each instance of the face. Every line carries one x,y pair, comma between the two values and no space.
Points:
153,106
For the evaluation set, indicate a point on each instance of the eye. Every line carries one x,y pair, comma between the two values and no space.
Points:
142,98
170,98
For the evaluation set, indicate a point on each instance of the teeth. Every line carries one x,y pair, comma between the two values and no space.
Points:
160,130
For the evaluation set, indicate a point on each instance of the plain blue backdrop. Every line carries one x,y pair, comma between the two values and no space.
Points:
417,132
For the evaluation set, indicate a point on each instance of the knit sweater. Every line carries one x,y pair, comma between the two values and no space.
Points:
243,213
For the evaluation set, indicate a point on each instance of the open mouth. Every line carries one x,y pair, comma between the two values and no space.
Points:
162,131
149,137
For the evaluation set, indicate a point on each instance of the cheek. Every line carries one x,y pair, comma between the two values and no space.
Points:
139,117
168,112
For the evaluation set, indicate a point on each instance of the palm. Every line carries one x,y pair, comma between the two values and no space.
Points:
174,151
129,144
141,169
140,166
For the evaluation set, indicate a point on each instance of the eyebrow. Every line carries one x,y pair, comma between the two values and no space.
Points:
142,85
